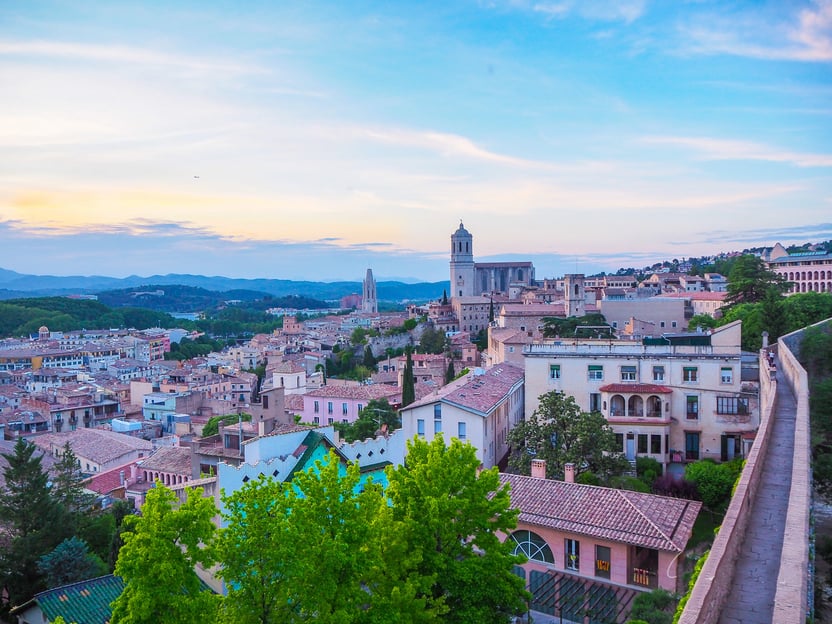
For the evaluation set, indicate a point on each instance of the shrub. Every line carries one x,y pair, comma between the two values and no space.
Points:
588,478
714,481
677,487
655,607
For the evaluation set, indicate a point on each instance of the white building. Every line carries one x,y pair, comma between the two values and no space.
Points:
480,408
676,398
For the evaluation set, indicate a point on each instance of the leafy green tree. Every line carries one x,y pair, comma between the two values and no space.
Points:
410,324
705,321
589,326
212,427
161,548
34,523
359,336
655,607
773,314
258,553
370,419
433,341
750,279
408,384
804,309
752,324
559,432
450,514
71,561
713,481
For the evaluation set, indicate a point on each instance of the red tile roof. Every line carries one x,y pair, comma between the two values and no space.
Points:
646,520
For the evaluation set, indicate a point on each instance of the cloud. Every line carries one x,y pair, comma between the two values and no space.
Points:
805,35
121,54
626,11
817,232
727,149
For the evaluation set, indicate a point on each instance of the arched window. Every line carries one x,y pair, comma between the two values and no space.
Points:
532,546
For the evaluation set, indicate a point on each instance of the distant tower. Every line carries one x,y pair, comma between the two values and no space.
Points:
462,263
369,299
575,303
43,333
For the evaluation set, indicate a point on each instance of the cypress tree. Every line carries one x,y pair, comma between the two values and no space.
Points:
408,388
450,373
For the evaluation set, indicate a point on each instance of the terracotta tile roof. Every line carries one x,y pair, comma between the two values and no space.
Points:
109,481
96,445
479,393
174,459
646,520
293,402
355,392
638,388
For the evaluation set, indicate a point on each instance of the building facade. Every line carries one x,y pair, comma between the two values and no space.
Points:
678,398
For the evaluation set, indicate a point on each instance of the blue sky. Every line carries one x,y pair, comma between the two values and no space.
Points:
312,140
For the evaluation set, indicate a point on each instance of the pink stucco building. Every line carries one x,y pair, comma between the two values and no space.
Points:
591,549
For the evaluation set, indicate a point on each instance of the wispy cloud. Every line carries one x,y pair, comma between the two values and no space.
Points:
120,54
816,232
805,35
727,149
602,10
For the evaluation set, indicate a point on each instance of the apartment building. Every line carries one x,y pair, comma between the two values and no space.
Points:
676,398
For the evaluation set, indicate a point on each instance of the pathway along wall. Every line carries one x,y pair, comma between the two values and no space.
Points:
713,586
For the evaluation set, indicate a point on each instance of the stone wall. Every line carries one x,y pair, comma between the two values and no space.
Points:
714,584
791,602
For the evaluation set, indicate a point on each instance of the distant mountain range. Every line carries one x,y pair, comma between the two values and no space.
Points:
15,285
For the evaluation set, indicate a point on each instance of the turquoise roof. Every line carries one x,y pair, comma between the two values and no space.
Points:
85,602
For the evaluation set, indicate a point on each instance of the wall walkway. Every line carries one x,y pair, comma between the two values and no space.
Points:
759,568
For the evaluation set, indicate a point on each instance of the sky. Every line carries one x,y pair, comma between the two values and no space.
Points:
312,140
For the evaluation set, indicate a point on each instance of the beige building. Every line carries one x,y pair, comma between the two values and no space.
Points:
808,271
662,315
479,408
678,398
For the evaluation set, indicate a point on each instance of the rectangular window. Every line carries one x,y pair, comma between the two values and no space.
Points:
360,407
673,323
692,409
344,408
691,445
690,374
602,562
329,407
554,371
619,441
437,426
329,421
732,405
726,375
461,431
596,373
317,407
658,373
316,420
420,427
437,411
655,444
572,557
628,373
265,401
642,443
594,402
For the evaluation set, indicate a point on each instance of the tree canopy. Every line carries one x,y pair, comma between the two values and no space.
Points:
370,419
450,514
161,549
750,279
560,433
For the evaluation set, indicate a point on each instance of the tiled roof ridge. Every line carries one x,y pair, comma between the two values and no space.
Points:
84,582
622,494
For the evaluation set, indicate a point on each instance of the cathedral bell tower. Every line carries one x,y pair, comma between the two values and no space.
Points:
462,263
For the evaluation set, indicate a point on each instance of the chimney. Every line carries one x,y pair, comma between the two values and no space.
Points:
539,468
569,473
